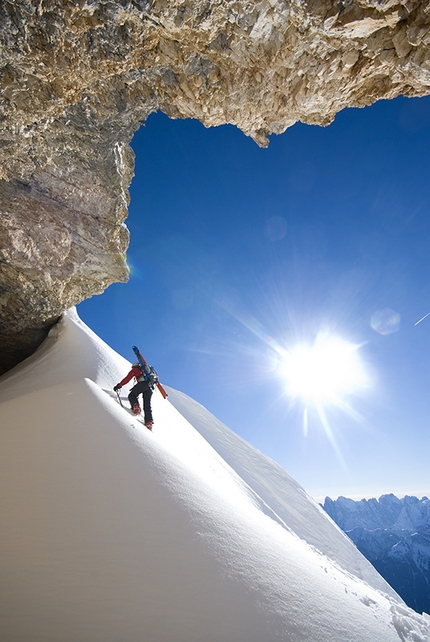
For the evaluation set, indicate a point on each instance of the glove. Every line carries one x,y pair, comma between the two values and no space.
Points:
117,387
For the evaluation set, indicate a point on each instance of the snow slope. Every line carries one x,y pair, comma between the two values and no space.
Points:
109,532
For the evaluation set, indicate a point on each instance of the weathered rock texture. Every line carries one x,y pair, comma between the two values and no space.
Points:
78,78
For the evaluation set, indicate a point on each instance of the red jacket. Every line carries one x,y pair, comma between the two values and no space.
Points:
134,372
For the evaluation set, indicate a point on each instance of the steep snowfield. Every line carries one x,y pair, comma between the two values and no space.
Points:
187,534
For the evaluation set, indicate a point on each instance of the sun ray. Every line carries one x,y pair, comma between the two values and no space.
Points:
330,435
321,375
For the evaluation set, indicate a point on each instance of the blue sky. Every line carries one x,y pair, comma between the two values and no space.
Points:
238,254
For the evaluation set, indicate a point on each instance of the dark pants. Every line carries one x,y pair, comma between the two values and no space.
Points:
142,388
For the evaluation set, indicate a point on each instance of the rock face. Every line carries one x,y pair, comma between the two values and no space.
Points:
79,77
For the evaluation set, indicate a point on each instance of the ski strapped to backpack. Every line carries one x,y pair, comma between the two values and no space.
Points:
148,372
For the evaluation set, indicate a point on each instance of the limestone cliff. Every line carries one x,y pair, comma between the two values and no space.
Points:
79,77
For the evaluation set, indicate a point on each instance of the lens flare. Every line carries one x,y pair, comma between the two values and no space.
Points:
385,321
275,228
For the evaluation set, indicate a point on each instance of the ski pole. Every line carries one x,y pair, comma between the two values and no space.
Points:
119,398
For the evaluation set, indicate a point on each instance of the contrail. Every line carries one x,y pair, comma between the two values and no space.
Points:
424,317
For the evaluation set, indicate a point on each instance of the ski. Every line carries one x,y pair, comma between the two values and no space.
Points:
143,363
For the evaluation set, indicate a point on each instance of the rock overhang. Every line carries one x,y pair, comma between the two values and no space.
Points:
79,78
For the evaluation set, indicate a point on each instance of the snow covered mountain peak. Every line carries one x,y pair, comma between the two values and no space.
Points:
187,534
406,514
393,534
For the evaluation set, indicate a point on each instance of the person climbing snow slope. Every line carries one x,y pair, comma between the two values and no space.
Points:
142,387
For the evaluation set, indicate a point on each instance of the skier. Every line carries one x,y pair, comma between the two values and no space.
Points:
142,387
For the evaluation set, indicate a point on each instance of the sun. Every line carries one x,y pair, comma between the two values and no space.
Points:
324,373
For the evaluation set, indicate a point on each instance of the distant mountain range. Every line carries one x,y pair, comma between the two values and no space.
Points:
394,535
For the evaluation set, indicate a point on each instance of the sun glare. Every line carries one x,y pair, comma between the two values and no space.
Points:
324,373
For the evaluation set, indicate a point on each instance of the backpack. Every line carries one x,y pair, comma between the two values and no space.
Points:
150,375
